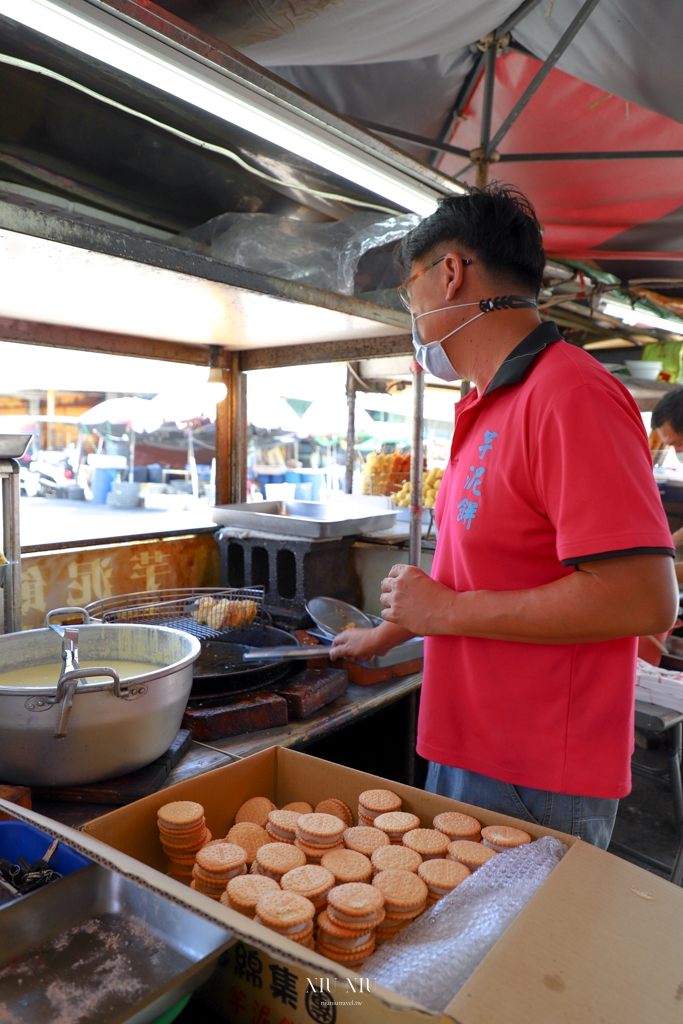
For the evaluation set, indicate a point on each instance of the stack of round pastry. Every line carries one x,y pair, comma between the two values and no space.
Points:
347,929
428,842
215,866
501,837
288,914
373,802
250,836
275,859
365,839
386,858
256,809
347,866
395,824
441,877
458,826
183,831
300,806
320,880
281,826
336,807
312,881
472,855
317,834
405,897
244,891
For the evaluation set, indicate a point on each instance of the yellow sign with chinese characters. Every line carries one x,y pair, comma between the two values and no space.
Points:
73,577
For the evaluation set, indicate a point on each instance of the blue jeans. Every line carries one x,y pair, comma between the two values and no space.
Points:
588,817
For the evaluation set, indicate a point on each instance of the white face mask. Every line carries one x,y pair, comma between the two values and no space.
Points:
432,357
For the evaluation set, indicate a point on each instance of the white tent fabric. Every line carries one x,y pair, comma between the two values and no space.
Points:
371,31
628,48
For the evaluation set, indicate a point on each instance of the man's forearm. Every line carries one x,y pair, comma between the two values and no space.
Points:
603,600
578,608
388,635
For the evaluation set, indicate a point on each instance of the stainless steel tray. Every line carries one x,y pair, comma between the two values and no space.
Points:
408,651
99,941
13,446
304,518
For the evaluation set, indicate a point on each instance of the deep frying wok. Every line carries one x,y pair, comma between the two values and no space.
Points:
219,671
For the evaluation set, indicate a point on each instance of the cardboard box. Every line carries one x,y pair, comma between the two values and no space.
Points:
598,944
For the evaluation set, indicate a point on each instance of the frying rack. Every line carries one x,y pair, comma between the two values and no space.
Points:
174,608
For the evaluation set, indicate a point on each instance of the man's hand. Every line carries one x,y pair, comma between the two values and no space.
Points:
416,602
365,644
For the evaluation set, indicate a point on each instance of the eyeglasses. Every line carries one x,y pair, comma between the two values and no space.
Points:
403,288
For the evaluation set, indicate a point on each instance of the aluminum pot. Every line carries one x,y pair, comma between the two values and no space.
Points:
79,731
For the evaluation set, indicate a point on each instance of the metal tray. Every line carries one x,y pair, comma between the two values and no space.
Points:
100,942
13,446
408,651
304,518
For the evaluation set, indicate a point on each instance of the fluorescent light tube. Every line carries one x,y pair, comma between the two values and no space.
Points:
106,38
640,318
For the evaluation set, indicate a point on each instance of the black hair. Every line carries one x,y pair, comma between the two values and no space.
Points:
669,409
496,225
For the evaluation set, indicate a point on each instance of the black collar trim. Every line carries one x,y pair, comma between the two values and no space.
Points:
515,365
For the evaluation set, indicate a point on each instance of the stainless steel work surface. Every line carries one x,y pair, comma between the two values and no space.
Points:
304,518
13,446
98,947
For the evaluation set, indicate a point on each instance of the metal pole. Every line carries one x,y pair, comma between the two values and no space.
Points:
481,155
415,542
351,428
11,542
543,72
237,397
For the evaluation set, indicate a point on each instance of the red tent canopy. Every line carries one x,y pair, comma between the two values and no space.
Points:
621,205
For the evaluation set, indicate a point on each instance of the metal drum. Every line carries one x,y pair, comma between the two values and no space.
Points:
90,725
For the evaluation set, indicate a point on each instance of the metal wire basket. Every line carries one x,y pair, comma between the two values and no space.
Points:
205,612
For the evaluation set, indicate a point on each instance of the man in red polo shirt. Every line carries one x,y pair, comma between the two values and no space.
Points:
553,550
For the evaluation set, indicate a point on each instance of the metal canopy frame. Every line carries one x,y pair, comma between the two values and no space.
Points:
490,47
509,158
549,63
472,78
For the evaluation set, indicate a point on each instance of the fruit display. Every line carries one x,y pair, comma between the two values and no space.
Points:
431,482
384,474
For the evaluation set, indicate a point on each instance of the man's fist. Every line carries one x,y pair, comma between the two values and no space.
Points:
415,601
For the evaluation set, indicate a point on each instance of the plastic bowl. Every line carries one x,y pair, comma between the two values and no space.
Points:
645,369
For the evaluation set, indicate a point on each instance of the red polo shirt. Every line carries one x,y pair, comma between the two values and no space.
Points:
550,467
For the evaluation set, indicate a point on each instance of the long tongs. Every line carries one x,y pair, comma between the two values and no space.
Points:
286,653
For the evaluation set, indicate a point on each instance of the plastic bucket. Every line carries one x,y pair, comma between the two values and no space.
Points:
102,479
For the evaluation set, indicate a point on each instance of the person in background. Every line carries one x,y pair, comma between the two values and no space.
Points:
667,420
553,552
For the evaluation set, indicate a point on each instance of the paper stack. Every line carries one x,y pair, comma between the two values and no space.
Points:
659,686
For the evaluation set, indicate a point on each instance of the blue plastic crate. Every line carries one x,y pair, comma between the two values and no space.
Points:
18,839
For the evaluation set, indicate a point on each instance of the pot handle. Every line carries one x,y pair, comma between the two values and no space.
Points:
67,611
68,686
